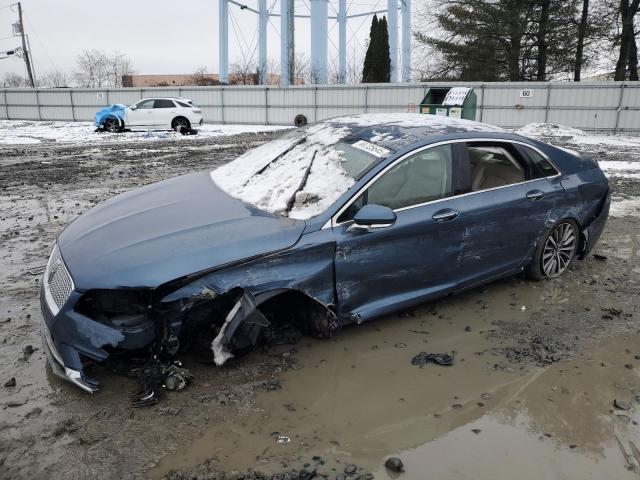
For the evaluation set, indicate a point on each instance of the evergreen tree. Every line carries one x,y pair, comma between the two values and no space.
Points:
505,40
369,57
383,60
377,61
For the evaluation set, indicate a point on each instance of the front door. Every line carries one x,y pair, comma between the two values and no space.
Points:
141,116
382,269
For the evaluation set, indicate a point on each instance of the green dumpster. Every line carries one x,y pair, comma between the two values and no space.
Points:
456,102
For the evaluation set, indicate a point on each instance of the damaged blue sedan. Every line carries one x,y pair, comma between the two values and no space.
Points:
335,223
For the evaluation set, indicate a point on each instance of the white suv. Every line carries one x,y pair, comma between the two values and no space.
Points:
153,114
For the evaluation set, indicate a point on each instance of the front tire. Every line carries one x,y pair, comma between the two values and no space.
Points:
112,125
556,251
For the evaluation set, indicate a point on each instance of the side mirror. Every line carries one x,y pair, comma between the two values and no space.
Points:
375,216
133,107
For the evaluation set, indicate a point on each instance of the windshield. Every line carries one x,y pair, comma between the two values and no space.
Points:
302,173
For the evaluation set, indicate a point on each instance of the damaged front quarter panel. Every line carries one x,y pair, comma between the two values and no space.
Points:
229,299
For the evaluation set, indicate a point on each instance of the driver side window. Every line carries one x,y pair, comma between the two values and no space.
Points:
145,104
421,178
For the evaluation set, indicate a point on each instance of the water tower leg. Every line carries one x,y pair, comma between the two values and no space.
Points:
406,40
319,20
263,18
223,40
392,23
342,41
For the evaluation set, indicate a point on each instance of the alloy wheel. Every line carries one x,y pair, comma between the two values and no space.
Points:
559,249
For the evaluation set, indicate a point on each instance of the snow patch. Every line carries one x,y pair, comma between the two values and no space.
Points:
625,207
270,175
19,132
549,130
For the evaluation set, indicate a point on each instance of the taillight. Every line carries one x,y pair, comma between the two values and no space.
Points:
197,110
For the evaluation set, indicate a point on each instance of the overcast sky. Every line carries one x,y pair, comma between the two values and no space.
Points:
160,36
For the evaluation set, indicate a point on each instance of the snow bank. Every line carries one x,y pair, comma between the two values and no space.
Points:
17,132
549,130
576,136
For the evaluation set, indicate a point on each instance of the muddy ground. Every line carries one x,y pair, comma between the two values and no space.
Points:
531,393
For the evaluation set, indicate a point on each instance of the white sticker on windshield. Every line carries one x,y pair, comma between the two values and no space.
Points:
371,148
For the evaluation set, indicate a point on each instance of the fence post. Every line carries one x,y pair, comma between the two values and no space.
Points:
315,103
222,104
481,102
615,129
73,108
366,99
546,108
266,104
6,103
38,102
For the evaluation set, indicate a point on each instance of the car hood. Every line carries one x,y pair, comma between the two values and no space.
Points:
163,231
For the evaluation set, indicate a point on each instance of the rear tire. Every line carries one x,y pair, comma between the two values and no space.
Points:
181,125
556,251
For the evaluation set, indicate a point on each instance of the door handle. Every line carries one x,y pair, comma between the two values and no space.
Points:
535,195
445,215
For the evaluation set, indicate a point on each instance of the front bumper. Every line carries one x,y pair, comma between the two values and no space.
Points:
57,364
66,335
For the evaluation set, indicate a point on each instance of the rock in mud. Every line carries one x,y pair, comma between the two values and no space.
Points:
10,383
350,469
394,464
28,350
621,404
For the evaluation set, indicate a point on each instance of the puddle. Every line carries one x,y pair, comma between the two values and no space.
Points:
358,400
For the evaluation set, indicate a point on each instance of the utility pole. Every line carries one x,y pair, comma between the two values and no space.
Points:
25,51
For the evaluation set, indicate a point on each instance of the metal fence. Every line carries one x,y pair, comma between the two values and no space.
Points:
603,106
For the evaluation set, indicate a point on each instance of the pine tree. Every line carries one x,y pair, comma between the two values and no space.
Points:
377,61
369,57
383,62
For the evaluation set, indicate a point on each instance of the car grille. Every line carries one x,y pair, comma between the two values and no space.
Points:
57,279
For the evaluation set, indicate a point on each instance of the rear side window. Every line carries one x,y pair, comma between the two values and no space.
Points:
163,103
541,166
492,166
183,104
421,178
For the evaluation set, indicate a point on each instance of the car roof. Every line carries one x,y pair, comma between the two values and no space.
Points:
396,131
182,99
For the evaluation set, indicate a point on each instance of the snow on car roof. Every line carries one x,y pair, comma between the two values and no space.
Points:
303,173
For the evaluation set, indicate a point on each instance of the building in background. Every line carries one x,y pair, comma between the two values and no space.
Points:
203,79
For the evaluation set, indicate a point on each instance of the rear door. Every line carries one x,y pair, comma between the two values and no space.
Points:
507,209
164,111
382,269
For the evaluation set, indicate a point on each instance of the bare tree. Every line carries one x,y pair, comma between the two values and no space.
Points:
12,79
201,78
119,66
54,79
301,69
95,69
243,71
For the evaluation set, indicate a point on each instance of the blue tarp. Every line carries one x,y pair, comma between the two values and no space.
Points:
112,111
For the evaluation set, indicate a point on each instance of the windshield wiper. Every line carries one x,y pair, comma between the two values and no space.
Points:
303,183
280,155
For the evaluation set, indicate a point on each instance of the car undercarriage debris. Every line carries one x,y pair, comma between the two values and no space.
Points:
156,377
423,358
